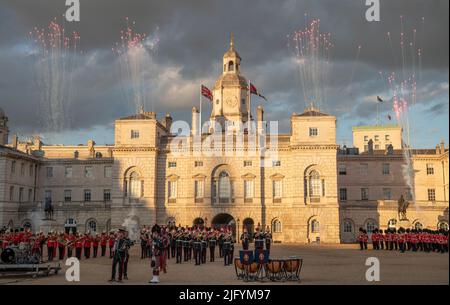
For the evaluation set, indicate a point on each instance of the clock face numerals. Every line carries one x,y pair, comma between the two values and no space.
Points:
231,101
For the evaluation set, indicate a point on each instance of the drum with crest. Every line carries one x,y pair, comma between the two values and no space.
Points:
293,266
275,269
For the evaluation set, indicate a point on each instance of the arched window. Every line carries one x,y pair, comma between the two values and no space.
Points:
443,226
315,185
224,187
108,225
27,225
276,226
91,226
418,226
315,226
230,66
348,226
134,189
370,225
392,223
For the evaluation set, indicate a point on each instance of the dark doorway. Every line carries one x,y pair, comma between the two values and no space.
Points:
249,224
224,220
199,222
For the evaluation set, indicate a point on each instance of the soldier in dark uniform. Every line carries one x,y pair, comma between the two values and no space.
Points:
179,246
204,247
228,249
245,240
118,256
173,243
220,241
197,245
212,240
128,244
186,245
268,239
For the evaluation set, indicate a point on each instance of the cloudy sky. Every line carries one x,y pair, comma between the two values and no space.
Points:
193,35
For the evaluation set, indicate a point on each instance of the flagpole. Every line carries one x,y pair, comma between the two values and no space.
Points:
249,106
200,115
378,114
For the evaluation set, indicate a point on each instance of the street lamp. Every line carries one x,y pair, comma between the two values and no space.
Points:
238,225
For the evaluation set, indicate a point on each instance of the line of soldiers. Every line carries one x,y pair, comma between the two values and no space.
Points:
424,240
261,239
59,245
185,244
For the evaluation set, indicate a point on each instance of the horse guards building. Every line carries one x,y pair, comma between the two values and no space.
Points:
302,185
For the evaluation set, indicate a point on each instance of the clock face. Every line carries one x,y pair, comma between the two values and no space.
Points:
232,101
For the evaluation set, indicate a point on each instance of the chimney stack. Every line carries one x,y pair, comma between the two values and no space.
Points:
195,118
259,119
167,122
15,141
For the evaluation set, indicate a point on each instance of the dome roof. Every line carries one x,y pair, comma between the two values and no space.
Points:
227,80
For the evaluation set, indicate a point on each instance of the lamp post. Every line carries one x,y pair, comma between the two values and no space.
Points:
238,225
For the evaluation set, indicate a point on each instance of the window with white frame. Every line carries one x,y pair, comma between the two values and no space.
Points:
313,131
247,163
67,195
49,172
88,172
107,171
87,195
68,172
106,195
315,226
348,226
199,189
224,187
343,194
431,195
172,164
13,167
364,193
22,169
387,193
277,191
342,169
386,169
315,184
11,193
430,169
276,226
370,225
91,226
134,134
248,189
172,189
364,169
134,185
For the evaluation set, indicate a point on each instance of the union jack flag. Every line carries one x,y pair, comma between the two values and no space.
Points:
207,93
253,90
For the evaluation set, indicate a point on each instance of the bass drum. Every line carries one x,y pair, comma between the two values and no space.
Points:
8,256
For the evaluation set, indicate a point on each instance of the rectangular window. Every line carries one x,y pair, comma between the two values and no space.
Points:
431,195
172,164
198,163
49,172
172,189
386,137
364,168
364,193
107,172
11,193
48,196
377,138
107,195
21,194
68,172
88,172
22,169
387,194
366,138
313,131
87,195
276,163
13,167
247,163
342,169
366,147
343,194
248,189
67,195
199,189
30,195
277,189
135,134
430,169
386,169
377,146
31,170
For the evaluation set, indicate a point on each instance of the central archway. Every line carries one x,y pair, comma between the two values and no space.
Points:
222,220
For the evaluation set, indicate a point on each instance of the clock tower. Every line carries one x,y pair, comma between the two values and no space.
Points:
230,93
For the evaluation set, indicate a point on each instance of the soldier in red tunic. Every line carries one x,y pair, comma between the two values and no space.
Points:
95,243
87,241
103,243
61,246
78,246
70,244
50,246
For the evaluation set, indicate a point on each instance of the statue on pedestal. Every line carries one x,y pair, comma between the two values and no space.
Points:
402,208
48,209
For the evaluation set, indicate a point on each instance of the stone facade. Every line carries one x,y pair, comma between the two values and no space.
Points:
230,173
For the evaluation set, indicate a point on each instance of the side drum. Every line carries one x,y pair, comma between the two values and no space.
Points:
8,256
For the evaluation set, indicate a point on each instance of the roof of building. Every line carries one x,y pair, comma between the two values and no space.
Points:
312,112
376,127
140,116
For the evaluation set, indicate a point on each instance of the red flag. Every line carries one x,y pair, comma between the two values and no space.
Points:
253,90
207,93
